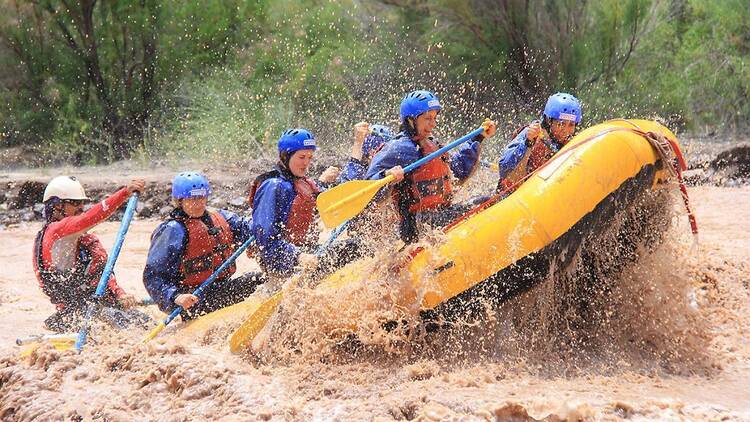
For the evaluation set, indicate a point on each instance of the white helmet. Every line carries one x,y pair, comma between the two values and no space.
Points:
64,187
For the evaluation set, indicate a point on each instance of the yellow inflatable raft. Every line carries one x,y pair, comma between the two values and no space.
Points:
507,247
579,187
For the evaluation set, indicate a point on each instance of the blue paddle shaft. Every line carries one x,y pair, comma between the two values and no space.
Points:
119,240
102,286
199,291
443,150
334,234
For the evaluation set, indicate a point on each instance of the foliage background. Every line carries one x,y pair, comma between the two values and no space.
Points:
99,80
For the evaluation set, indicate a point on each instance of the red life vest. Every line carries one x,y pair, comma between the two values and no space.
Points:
302,210
428,187
73,285
58,284
208,246
540,151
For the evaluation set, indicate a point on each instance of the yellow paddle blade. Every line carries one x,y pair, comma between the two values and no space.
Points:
244,335
224,317
57,343
155,332
346,200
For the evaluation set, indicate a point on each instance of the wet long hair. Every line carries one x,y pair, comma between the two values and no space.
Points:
409,127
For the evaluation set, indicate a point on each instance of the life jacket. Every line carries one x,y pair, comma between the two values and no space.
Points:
538,153
64,286
302,210
428,187
541,151
209,244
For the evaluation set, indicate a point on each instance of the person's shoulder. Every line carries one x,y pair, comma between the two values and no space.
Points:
400,139
519,138
400,145
170,228
274,183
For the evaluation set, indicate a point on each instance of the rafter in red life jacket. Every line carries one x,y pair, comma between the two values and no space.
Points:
302,210
209,244
428,187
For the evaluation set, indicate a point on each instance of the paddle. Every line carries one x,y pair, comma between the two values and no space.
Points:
108,267
344,201
59,338
334,234
199,291
244,335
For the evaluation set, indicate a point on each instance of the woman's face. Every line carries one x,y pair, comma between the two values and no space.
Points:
194,207
425,124
300,161
562,130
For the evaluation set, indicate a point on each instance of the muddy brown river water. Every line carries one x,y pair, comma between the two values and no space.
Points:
679,350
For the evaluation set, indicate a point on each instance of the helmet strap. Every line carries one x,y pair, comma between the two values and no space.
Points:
546,123
178,213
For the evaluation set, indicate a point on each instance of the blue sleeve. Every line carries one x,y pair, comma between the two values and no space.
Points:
464,160
354,170
242,228
395,153
271,207
512,154
161,275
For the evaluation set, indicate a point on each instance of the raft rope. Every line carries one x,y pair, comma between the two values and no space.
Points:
666,149
670,153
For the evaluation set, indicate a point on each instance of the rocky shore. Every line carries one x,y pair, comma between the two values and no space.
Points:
21,192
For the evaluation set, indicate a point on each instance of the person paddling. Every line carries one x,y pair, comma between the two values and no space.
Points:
69,261
283,203
536,143
425,195
189,246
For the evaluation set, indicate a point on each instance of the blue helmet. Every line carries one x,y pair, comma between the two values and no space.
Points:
379,134
418,102
381,130
562,106
293,140
190,184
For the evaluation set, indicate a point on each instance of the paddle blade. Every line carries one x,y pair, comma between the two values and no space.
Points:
244,335
346,200
155,332
61,344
